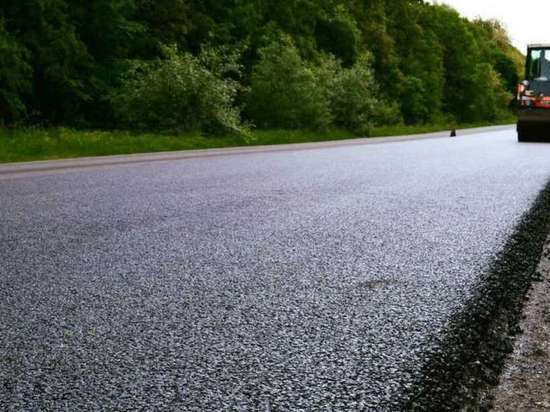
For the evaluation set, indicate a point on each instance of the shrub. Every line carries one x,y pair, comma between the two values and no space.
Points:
181,93
386,113
414,106
490,100
353,96
355,102
285,92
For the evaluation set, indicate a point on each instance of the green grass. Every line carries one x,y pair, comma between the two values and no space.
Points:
401,130
18,145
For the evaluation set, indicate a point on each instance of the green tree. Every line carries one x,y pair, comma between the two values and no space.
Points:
61,65
15,78
492,100
165,22
179,93
340,36
414,105
354,96
61,59
285,92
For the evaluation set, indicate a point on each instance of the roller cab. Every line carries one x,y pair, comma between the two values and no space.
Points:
534,96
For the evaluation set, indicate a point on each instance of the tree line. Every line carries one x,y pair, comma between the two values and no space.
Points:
225,66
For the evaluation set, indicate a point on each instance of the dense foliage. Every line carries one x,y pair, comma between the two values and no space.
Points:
215,65
180,92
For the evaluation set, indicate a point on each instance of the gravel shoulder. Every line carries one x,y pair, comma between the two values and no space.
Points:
525,384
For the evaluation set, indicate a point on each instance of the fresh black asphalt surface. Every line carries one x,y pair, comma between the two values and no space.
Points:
306,280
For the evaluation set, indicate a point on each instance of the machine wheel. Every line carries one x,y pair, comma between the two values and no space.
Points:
524,134
534,133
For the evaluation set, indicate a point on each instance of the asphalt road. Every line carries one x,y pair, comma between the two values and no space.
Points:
313,279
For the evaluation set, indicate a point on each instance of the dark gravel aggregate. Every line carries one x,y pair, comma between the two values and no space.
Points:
462,372
310,280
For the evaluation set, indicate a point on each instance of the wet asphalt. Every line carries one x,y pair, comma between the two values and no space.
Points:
303,280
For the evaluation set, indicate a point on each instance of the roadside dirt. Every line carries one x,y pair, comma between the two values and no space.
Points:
525,383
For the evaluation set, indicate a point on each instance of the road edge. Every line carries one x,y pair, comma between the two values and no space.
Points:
524,384
478,340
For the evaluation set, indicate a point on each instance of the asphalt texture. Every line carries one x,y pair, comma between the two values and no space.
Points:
314,279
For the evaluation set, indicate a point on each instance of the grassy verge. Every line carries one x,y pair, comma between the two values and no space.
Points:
18,145
385,131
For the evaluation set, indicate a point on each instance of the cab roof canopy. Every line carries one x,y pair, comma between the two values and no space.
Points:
539,46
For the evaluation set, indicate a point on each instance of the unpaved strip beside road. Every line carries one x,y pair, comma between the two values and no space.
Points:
525,384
